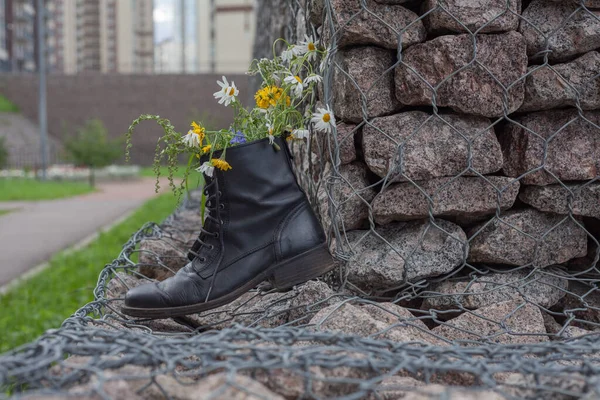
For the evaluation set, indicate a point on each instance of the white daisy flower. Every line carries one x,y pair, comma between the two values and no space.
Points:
286,55
313,78
227,93
301,133
270,128
206,168
309,45
323,119
191,139
296,83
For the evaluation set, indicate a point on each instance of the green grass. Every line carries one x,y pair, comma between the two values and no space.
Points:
47,299
2,212
7,106
31,189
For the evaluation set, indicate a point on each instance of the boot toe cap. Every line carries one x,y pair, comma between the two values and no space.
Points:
146,296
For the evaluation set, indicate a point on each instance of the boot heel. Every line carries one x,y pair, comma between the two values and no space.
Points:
302,268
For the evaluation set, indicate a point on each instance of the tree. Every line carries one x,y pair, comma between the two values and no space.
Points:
3,153
92,148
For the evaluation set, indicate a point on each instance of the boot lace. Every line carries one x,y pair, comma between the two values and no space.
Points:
213,220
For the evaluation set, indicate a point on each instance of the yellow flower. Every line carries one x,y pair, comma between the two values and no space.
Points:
220,164
198,130
206,148
269,96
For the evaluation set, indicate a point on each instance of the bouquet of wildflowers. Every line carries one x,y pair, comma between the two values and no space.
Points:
284,106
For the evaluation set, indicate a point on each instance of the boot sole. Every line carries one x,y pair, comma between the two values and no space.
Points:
285,275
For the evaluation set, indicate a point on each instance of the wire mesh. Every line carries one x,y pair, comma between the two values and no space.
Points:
459,193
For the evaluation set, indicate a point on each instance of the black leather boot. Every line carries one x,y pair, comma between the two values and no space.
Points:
260,226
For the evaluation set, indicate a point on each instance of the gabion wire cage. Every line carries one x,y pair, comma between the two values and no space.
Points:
460,196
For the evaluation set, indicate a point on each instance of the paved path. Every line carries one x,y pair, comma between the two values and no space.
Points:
38,229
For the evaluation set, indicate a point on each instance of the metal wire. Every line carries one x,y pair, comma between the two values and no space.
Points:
437,296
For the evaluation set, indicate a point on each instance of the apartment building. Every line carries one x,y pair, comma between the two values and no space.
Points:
207,36
18,47
106,36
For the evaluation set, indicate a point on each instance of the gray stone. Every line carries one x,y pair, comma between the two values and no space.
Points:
160,258
377,24
563,386
543,288
220,387
432,146
487,15
418,250
583,302
567,34
472,90
460,197
527,237
385,321
568,84
268,310
555,199
572,151
119,284
395,387
345,143
430,392
351,195
185,221
362,71
508,322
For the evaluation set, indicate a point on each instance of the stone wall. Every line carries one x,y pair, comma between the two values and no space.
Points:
118,99
465,140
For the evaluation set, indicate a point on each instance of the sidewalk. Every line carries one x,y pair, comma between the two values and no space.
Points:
37,230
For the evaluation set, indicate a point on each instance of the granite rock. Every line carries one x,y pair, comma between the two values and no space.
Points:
344,137
360,75
446,63
160,258
461,197
431,146
568,29
377,24
507,322
572,152
351,194
419,250
555,199
487,15
374,321
583,302
568,84
430,392
527,236
544,288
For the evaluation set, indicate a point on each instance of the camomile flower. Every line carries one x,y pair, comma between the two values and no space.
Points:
296,83
191,139
323,119
313,78
308,46
286,55
300,133
270,130
227,93
206,168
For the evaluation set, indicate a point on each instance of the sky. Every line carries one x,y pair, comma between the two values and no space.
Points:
164,19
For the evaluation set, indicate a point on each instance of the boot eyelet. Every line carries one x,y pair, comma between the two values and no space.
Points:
216,235
202,259
222,206
220,194
212,247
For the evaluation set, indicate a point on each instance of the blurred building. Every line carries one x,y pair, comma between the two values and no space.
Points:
102,36
18,45
202,36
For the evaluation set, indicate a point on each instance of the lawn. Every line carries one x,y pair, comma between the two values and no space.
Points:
7,106
31,189
47,299
2,212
